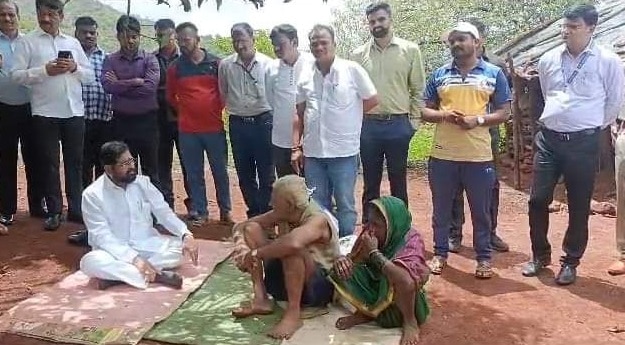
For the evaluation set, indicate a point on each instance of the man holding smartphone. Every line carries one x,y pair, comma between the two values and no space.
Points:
54,66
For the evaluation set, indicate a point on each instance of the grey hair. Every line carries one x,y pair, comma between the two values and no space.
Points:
293,188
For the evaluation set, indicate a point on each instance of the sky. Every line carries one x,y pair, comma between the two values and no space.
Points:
303,14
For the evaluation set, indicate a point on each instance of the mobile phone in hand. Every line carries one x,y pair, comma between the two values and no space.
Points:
65,54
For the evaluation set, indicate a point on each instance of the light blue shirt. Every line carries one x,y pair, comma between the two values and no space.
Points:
10,92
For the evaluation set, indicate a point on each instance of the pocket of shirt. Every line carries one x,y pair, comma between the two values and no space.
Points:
588,83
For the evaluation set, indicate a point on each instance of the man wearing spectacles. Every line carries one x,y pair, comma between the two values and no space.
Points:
242,88
119,210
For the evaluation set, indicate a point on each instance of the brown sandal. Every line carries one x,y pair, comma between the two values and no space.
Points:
484,270
437,264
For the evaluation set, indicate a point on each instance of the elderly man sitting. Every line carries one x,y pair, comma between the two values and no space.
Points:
119,210
295,262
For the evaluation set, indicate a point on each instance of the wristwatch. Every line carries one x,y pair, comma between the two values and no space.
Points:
480,120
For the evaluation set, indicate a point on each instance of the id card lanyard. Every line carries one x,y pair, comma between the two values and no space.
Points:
568,81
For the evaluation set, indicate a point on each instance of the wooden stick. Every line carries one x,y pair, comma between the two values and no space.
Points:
516,123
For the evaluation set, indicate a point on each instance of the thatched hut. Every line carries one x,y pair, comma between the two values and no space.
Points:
522,55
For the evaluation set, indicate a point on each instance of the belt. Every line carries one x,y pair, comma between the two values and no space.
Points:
384,116
567,136
250,119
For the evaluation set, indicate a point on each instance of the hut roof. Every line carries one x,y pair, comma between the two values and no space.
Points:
529,47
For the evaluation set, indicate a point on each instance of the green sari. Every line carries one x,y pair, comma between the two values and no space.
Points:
368,290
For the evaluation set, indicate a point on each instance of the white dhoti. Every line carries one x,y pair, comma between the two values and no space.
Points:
162,252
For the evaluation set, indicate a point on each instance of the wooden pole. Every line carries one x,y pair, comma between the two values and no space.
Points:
516,124
128,8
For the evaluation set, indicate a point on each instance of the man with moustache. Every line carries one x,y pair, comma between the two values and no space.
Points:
97,110
331,99
281,88
15,124
55,66
132,75
193,92
118,209
582,84
168,52
396,69
464,98
242,88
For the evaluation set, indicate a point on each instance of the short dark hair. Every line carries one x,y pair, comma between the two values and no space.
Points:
127,23
245,27
376,6
186,25
479,25
111,151
85,21
322,27
164,23
55,5
588,13
14,3
287,30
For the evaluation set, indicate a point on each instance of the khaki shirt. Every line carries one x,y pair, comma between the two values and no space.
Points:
398,74
243,88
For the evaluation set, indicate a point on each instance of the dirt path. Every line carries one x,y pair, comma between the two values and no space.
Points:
506,310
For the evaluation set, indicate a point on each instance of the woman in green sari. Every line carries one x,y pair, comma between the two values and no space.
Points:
384,274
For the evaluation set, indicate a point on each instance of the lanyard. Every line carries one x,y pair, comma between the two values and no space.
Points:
568,81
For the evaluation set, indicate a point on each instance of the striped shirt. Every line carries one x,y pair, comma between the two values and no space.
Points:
485,84
97,101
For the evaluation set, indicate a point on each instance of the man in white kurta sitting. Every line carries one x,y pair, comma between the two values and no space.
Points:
119,210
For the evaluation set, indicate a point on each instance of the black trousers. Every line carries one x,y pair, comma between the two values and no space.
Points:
70,132
168,138
97,132
282,161
140,133
573,156
16,130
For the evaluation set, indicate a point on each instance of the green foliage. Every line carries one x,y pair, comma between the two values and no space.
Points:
222,45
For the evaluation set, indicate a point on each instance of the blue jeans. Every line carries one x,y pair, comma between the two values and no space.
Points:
335,177
193,146
477,179
250,138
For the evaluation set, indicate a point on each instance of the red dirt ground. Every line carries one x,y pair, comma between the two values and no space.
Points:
506,310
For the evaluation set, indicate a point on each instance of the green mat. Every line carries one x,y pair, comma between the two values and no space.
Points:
205,319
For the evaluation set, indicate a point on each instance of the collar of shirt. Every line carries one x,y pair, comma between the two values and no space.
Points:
170,58
480,65
141,54
6,37
43,33
207,58
373,45
97,50
590,48
249,67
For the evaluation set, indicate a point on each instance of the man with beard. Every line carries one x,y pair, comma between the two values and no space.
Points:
118,209
331,99
242,88
131,75
457,99
396,69
193,91
54,66
582,84
97,110
281,88
15,124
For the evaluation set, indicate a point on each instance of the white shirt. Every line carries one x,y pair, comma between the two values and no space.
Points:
334,108
281,89
594,97
58,96
119,221
243,88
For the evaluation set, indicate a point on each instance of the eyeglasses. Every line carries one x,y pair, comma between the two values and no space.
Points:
128,162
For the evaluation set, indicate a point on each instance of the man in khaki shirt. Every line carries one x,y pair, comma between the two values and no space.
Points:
396,68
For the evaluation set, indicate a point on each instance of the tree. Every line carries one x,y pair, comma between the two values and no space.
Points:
222,46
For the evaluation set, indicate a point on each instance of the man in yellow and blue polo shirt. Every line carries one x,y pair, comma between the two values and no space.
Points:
457,98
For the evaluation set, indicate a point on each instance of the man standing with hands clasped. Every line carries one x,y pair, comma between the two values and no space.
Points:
582,85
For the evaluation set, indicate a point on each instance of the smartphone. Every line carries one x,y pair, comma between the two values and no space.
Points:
65,54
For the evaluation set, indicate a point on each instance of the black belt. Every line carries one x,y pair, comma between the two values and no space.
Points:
384,116
250,119
567,136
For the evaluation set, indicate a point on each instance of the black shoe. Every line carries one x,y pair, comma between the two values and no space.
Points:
533,267
567,275
497,244
79,238
6,219
455,245
75,218
52,223
169,278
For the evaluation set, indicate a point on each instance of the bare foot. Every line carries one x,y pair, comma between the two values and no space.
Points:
285,329
410,335
347,322
246,309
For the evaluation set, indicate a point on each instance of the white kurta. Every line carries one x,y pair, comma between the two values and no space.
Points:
120,227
